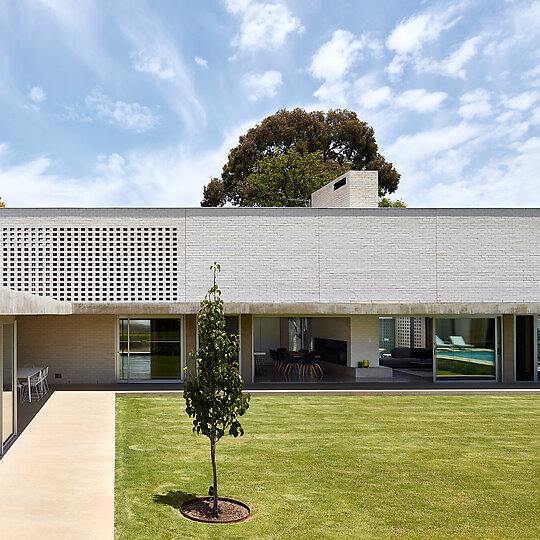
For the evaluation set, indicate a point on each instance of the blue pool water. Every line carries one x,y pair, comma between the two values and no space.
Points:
487,356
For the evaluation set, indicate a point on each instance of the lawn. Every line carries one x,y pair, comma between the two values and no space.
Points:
337,467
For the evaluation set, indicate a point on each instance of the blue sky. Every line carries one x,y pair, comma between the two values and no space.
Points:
134,103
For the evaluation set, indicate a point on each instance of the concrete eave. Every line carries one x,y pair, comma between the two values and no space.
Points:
21,303
312,308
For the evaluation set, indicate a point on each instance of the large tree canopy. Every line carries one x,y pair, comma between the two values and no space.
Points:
288,179
337,136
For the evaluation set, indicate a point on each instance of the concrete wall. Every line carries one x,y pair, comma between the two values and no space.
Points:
295,255
80,347
364,340
246,347
191,342
508,369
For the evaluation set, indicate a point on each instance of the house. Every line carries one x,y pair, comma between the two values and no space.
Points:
108,295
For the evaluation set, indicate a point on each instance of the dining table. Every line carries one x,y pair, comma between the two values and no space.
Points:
24,374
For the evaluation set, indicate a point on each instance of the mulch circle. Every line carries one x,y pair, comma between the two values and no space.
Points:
229,510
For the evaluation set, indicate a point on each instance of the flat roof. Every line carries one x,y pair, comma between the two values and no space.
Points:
112,212
22,303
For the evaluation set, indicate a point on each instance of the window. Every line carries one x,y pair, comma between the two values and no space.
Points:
465,348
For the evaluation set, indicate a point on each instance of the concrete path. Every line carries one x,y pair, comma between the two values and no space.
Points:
57,480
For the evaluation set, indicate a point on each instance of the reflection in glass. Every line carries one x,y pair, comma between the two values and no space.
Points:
465,348
231,325
150,349
538,346
7,394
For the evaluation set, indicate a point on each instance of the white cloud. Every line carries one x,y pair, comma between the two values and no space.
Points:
420,100
453,65
172,176
146,62
334,59
201,62
146,32
448,164
75,113
129,116
517,27
375,98
409,150
475,103
412,33
511,181
508,116
396,66
334,93
409,38
37,94
31,183
262,84
523,101
263,25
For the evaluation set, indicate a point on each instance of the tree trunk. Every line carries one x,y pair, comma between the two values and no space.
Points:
213,453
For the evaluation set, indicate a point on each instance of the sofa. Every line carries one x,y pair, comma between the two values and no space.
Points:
408,357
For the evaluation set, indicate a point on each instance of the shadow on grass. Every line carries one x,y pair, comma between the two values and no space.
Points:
173,498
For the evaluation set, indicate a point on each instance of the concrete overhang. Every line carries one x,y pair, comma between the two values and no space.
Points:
313,308
20,303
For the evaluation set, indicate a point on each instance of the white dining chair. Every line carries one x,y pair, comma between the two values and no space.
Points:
36,386
44,382
22,390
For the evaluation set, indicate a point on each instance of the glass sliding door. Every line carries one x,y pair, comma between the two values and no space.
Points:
466,348
8,394
537,321
525,348
150,349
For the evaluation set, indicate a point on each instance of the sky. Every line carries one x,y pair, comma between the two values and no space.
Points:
137,103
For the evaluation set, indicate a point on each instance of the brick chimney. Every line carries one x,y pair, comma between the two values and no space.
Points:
354,189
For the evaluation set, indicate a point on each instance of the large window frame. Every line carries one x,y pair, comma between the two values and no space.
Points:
6,442
536,349
118,359
498,349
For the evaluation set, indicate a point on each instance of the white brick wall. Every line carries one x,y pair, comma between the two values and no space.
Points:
280,255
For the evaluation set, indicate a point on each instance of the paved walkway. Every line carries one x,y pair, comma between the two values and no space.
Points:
57,480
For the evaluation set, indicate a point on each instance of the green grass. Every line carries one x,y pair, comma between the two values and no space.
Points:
337,467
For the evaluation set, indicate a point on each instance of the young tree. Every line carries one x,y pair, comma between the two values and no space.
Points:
214,397
338,134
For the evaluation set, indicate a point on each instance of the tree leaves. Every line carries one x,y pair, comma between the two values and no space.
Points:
214,396
339,136
288,179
